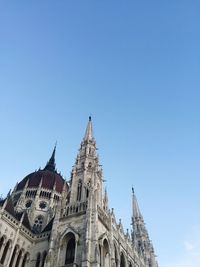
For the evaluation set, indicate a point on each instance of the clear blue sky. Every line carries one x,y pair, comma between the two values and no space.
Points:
135,66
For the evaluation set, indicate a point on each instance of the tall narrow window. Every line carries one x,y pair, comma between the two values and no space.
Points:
13,256
44,258
37,264
116,258
1,242
79,189
122,261
18,259
70,250
5,252
24,260
100,256
106,256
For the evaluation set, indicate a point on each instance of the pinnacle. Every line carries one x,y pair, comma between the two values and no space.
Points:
136,209
89,130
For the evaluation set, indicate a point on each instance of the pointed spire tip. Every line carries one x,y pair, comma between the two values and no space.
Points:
89,130
51,165
133,190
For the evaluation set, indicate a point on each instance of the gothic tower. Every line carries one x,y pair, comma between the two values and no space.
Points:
48,222
85,232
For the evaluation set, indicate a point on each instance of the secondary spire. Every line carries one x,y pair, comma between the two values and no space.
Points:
135,206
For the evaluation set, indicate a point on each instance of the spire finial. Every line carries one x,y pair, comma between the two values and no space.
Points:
133,190
51,165
89,130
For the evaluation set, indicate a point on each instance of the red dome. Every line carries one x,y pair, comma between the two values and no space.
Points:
49,178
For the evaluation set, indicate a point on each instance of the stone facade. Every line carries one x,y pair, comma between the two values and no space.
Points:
48,222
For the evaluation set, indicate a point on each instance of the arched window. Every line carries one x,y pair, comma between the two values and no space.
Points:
37,264
13,256
37,227
1,242
43,258
116,258
70,249
5,252
24,260
100,260
122,260
18,259
79,189
106,253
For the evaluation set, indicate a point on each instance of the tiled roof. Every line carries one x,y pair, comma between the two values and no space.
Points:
48,227
49,178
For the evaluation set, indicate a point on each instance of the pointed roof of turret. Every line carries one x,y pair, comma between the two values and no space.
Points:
135,206
51,165
89,131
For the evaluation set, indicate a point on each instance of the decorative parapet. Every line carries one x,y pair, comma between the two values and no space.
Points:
23,230
75,208
14,222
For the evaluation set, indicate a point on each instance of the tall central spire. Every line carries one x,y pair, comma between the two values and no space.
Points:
89,131
87,172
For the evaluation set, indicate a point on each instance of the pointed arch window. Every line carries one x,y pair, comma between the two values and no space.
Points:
18,259
106,254
44,258
25,260
37,264
1,242
122,260
5,252
70,249
79,190
13,256
116,258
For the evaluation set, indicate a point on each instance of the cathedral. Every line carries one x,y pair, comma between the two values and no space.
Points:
47,221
